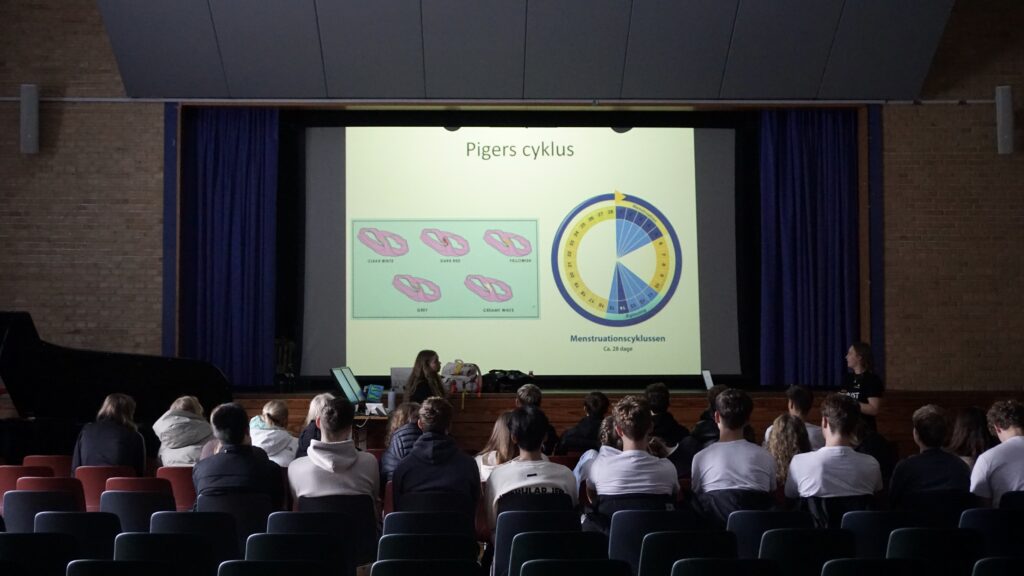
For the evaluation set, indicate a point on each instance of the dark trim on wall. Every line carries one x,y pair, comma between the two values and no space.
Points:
169,308
876,204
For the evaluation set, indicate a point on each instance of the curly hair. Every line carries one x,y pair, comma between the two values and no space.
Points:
607,434
633,417
788,438
1006,414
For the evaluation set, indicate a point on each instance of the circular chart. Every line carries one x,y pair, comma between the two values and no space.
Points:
616,260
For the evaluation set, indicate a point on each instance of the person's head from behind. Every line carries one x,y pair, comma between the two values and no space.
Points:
316,405
119,408
799,401
633,418
435,415
971,435
732,409
528,426
607,434
930,426
788,438
713,393
500,442
595,404
188,404
230,423
840,415
528,395
404,414
658,397
335,420
275,414
1006,419
859,357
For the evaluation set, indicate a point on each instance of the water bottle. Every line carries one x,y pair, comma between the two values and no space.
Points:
391,400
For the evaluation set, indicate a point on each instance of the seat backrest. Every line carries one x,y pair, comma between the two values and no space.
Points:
871,528
660,550
725,567
1012,500
135,508
119,568
319,548
1002,529
872,566
38,554
424,567
50,484
94,532
188,553
628,528
828,512
21,507
184,490
268,568
428,523
216,528
363,515
551,501
250,511
388,505
138,484
511,523
94,481
60,464
9,477
1002,566
803,551
946,550
566,567
528,546
434,502
750,525
427,547
939,508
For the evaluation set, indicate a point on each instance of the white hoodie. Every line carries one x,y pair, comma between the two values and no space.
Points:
279,445
182,435
331,468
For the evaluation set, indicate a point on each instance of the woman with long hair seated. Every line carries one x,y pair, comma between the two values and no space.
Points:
971,436
499,448
425,379
403,430
182,432
788,438
113,439
269,431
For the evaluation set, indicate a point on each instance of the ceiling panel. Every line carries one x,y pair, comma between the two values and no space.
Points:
165,48
575,48
677,48
270,48
372,49
779,48
474,48
893,64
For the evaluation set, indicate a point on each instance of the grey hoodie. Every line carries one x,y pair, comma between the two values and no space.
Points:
182,435
335,468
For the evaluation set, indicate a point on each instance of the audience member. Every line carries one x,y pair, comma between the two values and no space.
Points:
933,469
584,435
528,473
425,378
113,439
971,436
182,432
665,425
435,463
1001,469
500,447
863,384
269,432
837,469
530,395
310,431
609,438
333,465
632,470
790,438
705,431
799,402
403,430
237,466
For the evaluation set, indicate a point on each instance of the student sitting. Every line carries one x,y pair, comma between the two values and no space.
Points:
665,425
584,435
269,432
113,439
799,403
609,439
971,436
530,395
528,473
632,470
499,448
790,438
311,432
1001,469
403,431
182,432
933,469
237,466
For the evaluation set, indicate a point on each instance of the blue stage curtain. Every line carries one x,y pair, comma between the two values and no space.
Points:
809,266
228,244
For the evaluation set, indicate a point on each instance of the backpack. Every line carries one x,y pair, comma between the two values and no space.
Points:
459,376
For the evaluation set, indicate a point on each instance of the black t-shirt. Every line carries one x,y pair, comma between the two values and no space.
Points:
863,386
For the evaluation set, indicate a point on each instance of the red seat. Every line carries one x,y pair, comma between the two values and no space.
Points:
389,498
184,490
59,463
135,484
94,482
51,484
378,453
9,478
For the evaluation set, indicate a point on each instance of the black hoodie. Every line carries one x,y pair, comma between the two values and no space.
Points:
435,464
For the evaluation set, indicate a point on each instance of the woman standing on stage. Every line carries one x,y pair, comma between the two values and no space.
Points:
863,383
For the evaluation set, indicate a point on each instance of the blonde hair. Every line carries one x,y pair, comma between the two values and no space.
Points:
275,413
316,405
405,413
188,404
120,408
500,441
788,438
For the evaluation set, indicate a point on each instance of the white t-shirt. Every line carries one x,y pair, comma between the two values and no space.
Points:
583,466
486,463
733,465
614,472
814,434
528,477
833,471
999,469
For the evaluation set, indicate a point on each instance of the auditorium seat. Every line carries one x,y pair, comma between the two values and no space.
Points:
433,502
828,512
189,554
216,528
378,453
549,501
750,525
423,568
1012,500
319,548
138,484
135,508
872,567
803,551
60,464
628,528
388,504
94,481
1002,529
72,486
660,550
940,508
510,524
428,523
9,477
946,551
250,511
21,507
120,568
725,567
528,546
871,528
38,554
268,568
437,546
575,568
1000,566
94,532
360,509
184,490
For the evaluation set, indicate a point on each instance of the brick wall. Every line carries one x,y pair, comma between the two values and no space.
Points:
954,214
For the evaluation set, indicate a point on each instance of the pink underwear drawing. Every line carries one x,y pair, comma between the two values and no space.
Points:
490,289
508,243
383,242
417,289
445,243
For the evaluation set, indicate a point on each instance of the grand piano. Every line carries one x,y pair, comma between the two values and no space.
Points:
56,389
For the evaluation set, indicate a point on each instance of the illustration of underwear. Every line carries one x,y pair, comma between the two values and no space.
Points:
508,243
490,289
383,242
445,243
417,289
